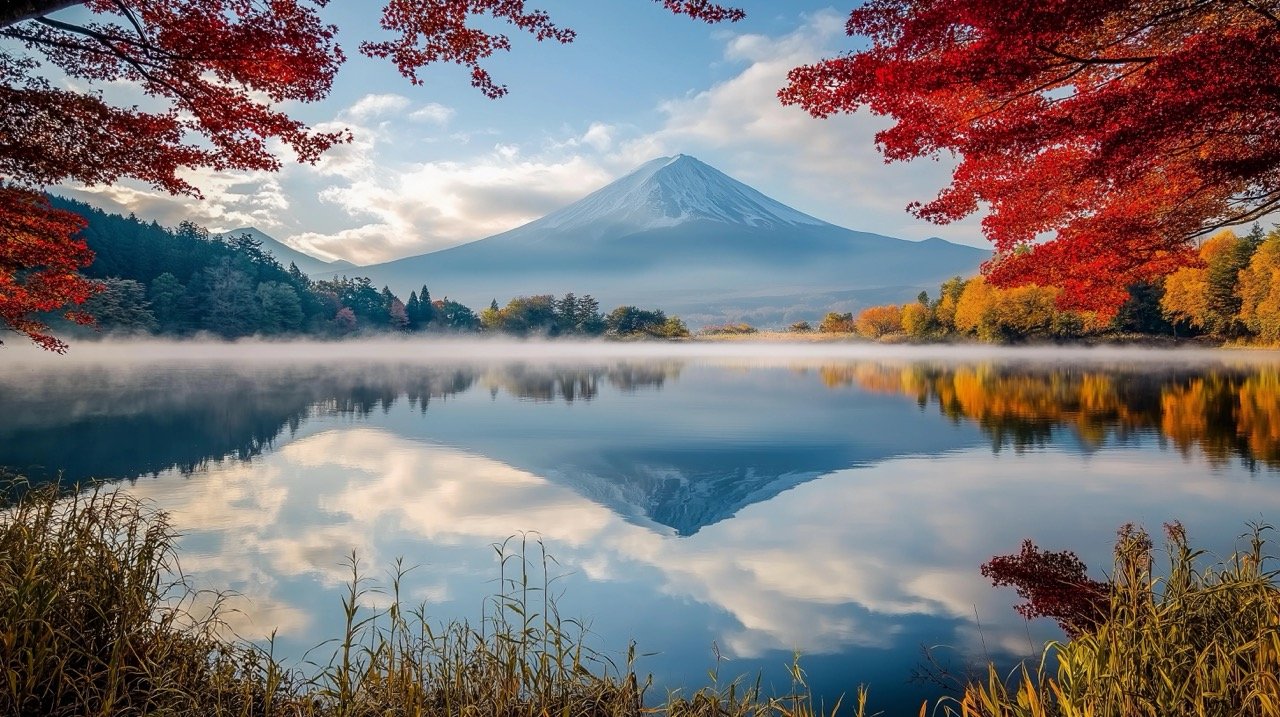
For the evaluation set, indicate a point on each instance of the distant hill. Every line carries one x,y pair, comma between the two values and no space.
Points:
285,254
680,235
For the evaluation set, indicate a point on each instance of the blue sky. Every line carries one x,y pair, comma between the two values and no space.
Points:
439,164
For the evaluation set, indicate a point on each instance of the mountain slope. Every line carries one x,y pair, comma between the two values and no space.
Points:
677,231
286,254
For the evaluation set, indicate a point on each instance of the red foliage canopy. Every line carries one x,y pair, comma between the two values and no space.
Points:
1117,129
219,67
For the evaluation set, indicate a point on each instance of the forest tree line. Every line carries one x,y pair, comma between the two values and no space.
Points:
183,282
1232,295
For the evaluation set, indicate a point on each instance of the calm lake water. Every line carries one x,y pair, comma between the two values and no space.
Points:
750,500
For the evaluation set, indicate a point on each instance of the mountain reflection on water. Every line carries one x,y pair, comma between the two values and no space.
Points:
128,423
836,507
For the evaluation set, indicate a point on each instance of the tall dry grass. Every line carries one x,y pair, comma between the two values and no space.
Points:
1191,640
96,619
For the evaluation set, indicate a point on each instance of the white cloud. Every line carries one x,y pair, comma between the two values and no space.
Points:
231,200
829,168
371,106
433,113
432,205
376,198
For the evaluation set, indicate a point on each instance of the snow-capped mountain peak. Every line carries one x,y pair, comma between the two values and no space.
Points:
668,191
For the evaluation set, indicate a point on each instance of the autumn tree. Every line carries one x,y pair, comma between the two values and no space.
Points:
1259,292
1206,296
996,314
837,323
217,73
918,320
877,321
1118,130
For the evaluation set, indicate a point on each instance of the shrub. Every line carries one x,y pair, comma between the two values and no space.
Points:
738,329
836,323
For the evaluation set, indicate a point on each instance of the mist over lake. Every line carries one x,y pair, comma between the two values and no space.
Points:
831,499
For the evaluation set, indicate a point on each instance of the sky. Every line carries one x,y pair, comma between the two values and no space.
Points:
436,165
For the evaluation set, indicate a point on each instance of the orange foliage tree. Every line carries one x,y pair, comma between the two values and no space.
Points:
877,321
1119,129
219,69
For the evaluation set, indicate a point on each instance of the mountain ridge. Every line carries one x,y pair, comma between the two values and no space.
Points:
285,254
678,231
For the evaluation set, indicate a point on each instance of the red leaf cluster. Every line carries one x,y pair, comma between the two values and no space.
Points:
218,71
1102,135
1053,584
39,261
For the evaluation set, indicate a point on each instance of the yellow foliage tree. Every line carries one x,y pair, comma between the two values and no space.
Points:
974,307
1260,291
949,296
995,314
1208,297
916,319
1186,297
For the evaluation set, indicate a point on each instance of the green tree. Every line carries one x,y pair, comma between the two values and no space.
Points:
631,321
566,312
280,309
1141,314
230,305
525,315
121,306
1222,284
455,316
674,328
413,311
170,304
428,310
588,320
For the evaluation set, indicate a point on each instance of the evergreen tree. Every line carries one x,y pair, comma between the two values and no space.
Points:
229,303
170,304
280,309
566,314
1222,280
587,317
428,314
413,311
121,305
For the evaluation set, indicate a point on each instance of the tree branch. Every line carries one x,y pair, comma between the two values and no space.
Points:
16,11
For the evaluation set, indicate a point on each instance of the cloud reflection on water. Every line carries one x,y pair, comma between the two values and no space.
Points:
840,561
764,501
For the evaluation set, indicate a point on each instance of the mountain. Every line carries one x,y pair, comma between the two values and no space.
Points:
681,235
285,254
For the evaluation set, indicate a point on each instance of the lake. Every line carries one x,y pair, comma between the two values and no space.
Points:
747,501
